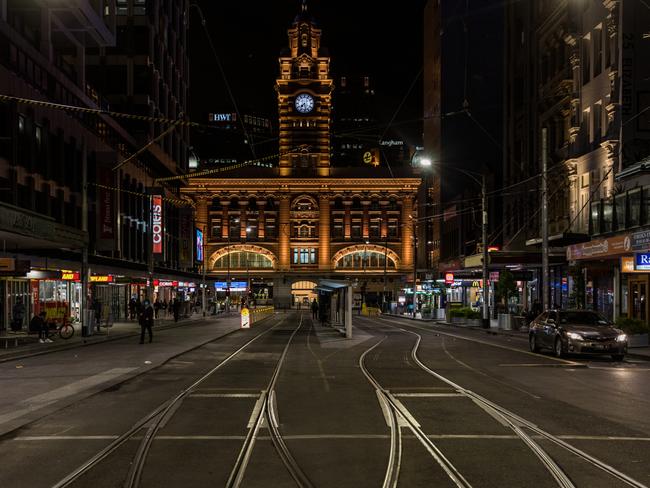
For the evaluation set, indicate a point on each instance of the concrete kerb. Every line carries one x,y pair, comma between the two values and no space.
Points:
11,355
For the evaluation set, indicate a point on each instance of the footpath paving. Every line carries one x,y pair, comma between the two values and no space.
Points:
642,353
37,384
22,344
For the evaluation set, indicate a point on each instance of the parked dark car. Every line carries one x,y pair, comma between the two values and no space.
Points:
576,332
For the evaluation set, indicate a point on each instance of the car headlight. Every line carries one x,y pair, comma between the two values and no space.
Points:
621,338
574,336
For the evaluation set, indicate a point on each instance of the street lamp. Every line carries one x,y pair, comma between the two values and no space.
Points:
248,279
484,243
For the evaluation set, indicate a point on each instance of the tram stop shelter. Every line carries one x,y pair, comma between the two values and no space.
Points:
335,304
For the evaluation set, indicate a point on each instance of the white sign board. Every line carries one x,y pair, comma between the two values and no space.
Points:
245,319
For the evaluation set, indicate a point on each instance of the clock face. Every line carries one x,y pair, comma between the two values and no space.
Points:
304,103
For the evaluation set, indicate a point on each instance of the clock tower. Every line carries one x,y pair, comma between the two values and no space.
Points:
304,101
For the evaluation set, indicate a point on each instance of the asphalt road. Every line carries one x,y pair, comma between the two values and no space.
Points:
291,403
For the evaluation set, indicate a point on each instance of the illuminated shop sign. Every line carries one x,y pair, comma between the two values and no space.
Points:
165,284
157,227
222,117
234,286
70,275
199,245
642,261
101,279
449,278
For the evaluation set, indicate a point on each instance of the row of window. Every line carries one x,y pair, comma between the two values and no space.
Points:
625,211
359,260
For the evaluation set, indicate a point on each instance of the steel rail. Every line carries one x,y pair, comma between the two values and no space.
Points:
137,466
516,420
433,450
556,471
395,455
156,413
267,413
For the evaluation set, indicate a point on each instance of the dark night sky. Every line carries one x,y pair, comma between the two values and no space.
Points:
362,37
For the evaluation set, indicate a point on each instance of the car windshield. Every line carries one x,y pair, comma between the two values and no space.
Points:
583,318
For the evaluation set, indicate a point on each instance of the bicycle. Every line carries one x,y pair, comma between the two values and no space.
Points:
65,330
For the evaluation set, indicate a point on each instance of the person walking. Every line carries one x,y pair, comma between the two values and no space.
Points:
314,309
146,321
17,315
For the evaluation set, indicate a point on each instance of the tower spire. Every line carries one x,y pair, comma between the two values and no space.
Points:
304,5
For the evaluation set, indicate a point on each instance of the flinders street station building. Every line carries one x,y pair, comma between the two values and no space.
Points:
282,229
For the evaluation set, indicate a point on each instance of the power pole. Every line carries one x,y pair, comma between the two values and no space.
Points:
85,325
150,250
545,273
415,264
484,238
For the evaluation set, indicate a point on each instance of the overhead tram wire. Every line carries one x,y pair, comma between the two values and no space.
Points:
225,79
150,143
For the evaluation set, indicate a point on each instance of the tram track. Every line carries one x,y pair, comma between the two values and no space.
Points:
154,420
516,423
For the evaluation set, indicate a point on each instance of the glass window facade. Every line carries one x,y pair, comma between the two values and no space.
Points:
243,260
364,260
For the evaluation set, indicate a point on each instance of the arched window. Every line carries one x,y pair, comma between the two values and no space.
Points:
243,260
360,260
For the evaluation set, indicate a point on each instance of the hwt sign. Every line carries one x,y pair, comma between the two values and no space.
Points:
156,223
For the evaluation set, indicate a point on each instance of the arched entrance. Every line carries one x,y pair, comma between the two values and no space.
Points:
302,294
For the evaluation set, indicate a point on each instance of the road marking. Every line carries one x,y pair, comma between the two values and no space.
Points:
404,413
256,410
39,438
617,369
535,365
327,436
444,348
224,395
428,395
44,399
384,407
488,343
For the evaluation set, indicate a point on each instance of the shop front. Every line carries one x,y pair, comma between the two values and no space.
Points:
615,274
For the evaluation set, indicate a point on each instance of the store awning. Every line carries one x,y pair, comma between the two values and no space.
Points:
560,240
329,286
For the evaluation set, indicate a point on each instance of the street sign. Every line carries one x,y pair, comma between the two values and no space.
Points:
245,319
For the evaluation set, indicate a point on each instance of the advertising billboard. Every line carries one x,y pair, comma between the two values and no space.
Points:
199,244
156,223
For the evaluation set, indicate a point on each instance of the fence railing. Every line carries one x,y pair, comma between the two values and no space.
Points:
261,312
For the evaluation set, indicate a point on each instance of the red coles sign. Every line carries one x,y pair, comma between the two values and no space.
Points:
157,225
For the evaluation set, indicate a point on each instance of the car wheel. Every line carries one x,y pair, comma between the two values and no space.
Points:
618,357
559,352
533,343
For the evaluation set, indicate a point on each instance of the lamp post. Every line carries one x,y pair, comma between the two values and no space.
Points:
426,162
248,278
415,263
383,300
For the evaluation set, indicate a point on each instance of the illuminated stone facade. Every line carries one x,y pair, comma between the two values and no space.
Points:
305,220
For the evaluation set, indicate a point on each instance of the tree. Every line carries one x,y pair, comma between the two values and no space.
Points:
577,296
505,287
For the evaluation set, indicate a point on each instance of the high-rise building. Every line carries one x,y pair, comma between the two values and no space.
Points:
574,74
96,57
281,229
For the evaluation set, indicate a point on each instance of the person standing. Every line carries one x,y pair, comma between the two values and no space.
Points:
176,308
146,321
97,307
156,307
39,323
17,315
314,309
